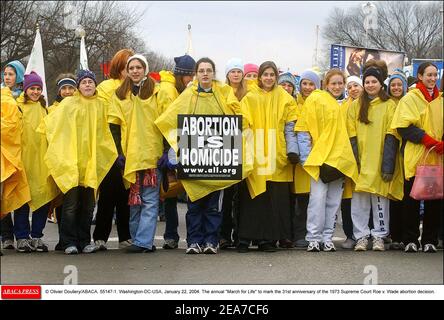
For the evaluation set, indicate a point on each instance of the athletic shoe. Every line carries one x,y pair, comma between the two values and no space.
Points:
396,246
225,244
329,247
71,250
90,248
411,247
313,246
170,244
210,249
24,246
101,245
193,248
8,244
125,244
286,244
362,244
266,247
378,244
348,244
439,244
301,243
39,245
429,248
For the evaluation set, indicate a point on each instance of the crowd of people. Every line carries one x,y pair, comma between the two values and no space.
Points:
338,145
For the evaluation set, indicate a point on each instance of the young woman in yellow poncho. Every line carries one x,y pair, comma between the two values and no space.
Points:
113,196
134,107
12,87
205,96
80,153
397,88
234,77
327,156
375,146
419,121
42,186
264,195
354,90
172,84
300,189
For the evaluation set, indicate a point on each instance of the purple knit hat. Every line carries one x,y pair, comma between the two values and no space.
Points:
32,79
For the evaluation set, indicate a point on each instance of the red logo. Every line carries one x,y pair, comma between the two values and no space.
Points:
21,292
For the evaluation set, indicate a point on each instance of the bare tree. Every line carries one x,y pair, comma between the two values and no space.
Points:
410,26
107,25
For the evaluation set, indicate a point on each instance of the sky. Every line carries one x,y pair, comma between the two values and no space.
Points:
255,31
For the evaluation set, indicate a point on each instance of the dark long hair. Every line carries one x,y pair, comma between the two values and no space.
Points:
146,90
264,66
364,102
180,84
42,100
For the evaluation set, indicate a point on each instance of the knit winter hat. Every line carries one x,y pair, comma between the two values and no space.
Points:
234,63
375,72
287,77
400,77
250,67
82,74
312,76
66,82
354,79
184,65
32,79
143,59
19,70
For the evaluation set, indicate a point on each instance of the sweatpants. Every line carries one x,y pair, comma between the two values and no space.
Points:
325,200
361,205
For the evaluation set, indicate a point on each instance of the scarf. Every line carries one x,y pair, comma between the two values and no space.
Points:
425,91
147,178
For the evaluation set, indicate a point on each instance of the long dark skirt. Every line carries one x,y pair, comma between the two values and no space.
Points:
266,217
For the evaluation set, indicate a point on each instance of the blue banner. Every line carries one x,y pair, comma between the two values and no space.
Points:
337,56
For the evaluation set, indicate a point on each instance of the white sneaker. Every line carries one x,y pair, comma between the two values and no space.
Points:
313,246
361,244
329,247
411,247
90,248
125,244
101,245
71,250
194,248
348,244
210,249
429,248
378,244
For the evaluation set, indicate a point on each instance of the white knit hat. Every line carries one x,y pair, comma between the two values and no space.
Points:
234,63
354,79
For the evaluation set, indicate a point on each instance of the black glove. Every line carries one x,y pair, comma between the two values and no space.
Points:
328,173
293,158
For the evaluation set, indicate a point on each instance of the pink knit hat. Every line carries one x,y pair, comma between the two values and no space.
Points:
250,67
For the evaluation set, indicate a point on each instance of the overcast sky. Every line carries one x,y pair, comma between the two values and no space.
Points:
255,31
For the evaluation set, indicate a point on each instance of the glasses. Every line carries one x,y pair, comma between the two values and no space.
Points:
203,71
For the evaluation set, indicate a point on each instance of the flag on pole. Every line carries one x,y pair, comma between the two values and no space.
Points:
36,62
83,56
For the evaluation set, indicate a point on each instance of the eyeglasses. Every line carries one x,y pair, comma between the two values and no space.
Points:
203,71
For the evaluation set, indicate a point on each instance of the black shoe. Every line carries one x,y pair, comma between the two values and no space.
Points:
135,249
267,247
58,247
242,248
225,244
153,248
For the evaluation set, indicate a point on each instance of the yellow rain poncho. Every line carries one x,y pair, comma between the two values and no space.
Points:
301,181
323,119
413,109
167,92
34,147
189,102
15,189
54,106
141,140
107,88
81,149
267,113
370,148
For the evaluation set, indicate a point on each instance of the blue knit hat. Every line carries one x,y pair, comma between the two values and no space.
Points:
402,78
287,77
82,74
19,71
184,65
312,76
66,82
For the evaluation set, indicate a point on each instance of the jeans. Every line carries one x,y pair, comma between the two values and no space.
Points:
112,195
22,229
204,218
75,227
171,219
143,217
7,228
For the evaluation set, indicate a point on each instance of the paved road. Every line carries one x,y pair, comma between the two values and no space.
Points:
229,267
